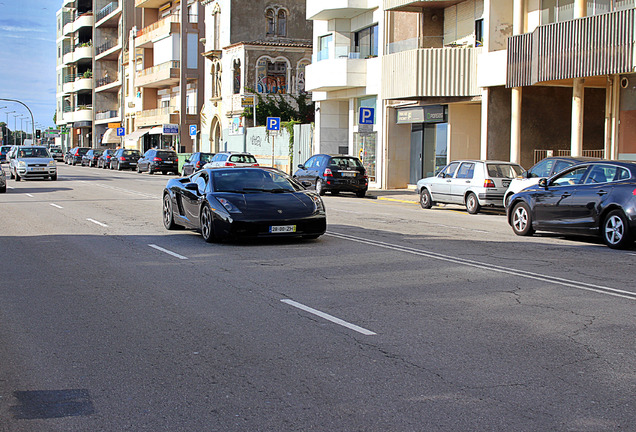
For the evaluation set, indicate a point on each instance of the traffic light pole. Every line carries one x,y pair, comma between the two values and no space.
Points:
30,112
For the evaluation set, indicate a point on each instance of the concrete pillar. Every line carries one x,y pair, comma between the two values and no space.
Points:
485,101
609,106
515,112
580,8
578,96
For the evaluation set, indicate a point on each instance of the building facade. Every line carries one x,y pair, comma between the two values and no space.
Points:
262,49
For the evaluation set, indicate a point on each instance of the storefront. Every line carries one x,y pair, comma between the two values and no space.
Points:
429,139
164,137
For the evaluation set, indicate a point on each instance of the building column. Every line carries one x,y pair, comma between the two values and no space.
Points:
515,112
578,96
485,102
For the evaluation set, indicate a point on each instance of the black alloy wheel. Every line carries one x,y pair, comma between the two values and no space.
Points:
207,224
425,199
615,230
168,213
521,220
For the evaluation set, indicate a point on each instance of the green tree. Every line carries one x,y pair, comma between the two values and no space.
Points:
278,106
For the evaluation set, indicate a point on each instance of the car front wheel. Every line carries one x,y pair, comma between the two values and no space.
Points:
615,230
425,199
521,220
207,224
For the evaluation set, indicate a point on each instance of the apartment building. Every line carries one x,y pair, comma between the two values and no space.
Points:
74,90
165,72
113,21
264,48
498,79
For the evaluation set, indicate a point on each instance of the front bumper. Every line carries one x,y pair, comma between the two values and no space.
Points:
36,171
309,226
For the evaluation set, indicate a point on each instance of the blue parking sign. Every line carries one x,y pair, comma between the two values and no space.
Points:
121,131
367,116
273,123
193,130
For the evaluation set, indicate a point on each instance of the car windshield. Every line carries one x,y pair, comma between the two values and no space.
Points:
504,170
33,152
344,163
256,180
243,158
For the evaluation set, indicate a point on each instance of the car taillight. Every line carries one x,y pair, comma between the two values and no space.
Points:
255,165
198,165
156,159
489,183
328,172
108,156
230,164
121,158
634,192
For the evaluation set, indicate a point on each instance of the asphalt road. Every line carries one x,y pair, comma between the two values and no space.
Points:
398,319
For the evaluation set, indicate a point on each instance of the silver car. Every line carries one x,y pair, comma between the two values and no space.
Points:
472,183
30,162
232,159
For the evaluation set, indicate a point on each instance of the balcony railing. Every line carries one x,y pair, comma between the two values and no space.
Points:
105,47
591,46
173,18
157,112
107,10
103,115
415,43
173,64
539,155
104,81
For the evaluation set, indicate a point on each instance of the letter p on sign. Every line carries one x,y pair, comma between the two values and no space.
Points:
273,123
367,116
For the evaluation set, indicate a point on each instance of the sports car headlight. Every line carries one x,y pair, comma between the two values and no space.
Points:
228,205
319,206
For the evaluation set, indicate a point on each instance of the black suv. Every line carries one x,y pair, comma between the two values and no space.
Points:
75,155
155,160
125,159
334,173
195,162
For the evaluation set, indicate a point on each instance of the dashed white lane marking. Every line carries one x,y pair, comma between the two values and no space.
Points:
118,189
97,222
176,255
10,187
328,317
29,195
491,267
57,206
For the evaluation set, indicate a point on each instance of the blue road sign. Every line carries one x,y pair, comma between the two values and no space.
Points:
273,123
121,131
367,116
193,130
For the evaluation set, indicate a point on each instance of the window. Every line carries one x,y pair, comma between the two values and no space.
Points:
570,177
324,46
560,166
300,78
276,21
271,76
365,42
563,10
542,169
449,170
216,79
466,171
503,170
479,32
237,77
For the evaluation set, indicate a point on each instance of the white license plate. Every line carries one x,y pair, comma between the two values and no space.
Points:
348,174
282,229
36,169
506,183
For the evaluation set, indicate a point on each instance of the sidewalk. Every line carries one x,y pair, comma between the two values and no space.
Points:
408,196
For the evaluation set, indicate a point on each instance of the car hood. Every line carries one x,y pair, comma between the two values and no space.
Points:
33,161
267,205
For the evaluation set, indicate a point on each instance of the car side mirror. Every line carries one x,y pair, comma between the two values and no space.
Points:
192,187
301,166
305,183
543,183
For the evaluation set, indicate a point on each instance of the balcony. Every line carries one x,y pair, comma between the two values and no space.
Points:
158,116
418,5
77,83
586,47
163,75
107,84
83,113
430,72
84,20
108,116
330,9
108,50
336,69
151,4
108,16
158,30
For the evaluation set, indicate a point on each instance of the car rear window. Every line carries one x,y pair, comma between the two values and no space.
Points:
166,154
131,152
206,157
345,163
503,170
243,158
82,151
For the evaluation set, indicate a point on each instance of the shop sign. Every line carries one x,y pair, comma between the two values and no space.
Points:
171,129
426,114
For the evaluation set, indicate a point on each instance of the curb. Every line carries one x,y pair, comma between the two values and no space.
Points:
397,200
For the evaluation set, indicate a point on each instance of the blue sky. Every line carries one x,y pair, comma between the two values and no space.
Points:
27,58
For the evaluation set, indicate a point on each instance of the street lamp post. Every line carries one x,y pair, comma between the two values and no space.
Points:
15,126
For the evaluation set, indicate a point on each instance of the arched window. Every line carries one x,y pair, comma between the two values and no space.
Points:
216,78
237,77
271,22
300,78
282,23
271,76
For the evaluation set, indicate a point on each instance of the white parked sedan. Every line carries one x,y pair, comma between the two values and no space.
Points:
473,183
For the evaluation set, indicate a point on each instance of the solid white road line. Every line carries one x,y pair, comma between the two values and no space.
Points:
57,206
96,222
328,317
176,255
29,195
492,267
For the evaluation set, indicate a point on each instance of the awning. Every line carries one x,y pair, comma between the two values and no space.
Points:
110,137
157,130
134,136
